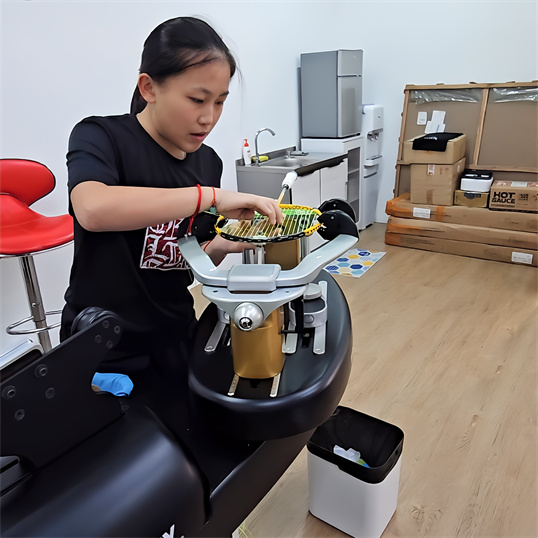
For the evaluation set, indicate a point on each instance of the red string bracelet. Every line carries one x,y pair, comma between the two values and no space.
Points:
213,207
191,219
199,199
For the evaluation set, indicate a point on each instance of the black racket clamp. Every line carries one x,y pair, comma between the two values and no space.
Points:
337,217
336,203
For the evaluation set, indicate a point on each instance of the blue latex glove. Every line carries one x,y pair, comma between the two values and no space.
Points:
117,384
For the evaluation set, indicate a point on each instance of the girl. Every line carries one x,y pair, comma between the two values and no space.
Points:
133,178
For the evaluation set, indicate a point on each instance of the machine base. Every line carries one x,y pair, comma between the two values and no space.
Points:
310,384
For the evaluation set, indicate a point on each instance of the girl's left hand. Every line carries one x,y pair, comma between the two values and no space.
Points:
218,248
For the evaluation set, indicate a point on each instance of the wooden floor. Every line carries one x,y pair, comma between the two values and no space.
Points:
445,347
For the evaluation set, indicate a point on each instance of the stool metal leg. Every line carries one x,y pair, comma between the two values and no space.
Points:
35,300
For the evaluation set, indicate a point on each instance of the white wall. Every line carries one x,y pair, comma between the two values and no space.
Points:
62,61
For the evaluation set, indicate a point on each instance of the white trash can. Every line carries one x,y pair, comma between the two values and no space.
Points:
357,500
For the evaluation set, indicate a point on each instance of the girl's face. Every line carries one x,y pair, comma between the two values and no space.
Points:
183,110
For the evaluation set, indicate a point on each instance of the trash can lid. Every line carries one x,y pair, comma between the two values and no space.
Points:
379,443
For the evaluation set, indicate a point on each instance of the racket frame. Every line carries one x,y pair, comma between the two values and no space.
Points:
261,240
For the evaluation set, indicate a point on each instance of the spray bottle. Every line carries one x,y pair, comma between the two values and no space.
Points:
247,155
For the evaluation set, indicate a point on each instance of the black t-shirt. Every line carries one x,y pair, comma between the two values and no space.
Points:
138,274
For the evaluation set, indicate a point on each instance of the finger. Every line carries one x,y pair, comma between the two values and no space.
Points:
271,214
246,214
279,214
274,212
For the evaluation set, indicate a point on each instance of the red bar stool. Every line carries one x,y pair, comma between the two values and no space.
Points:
24,233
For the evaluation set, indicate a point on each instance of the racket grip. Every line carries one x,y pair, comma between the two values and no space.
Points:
289,180
287,184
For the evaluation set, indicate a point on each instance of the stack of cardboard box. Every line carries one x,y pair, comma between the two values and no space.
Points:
506,236
435,174
426,218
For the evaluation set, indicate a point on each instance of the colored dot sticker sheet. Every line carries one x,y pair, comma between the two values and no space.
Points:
354,262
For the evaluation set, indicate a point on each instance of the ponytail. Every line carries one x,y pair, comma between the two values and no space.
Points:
138,103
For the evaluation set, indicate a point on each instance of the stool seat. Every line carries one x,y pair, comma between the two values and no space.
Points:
24,231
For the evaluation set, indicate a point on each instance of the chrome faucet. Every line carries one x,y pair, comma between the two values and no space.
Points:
256,143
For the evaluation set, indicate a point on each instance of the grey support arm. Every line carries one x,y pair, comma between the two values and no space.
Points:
249,293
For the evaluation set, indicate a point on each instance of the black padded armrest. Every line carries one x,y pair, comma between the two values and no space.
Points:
130,479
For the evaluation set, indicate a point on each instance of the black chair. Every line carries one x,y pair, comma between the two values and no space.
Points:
79,463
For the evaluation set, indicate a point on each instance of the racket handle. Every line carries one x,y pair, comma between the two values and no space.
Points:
289,180
287,184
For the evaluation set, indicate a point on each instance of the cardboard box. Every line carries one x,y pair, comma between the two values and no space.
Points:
514,195
471,199
455,150
435,183
465,248
472,216
463,232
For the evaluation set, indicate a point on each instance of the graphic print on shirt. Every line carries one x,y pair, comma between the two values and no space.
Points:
160,249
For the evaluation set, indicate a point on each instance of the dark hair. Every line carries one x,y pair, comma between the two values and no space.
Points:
174,46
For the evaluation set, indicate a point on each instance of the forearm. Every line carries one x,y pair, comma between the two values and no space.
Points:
216,254
99,207
218,248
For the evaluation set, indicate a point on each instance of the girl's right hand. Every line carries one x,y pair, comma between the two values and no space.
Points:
241,206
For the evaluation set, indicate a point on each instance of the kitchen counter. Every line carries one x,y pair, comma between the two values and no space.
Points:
316,170
302,164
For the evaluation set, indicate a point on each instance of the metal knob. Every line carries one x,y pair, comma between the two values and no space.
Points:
245,324
248,316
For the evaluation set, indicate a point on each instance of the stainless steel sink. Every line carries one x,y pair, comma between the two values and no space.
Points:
266,179
289,162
